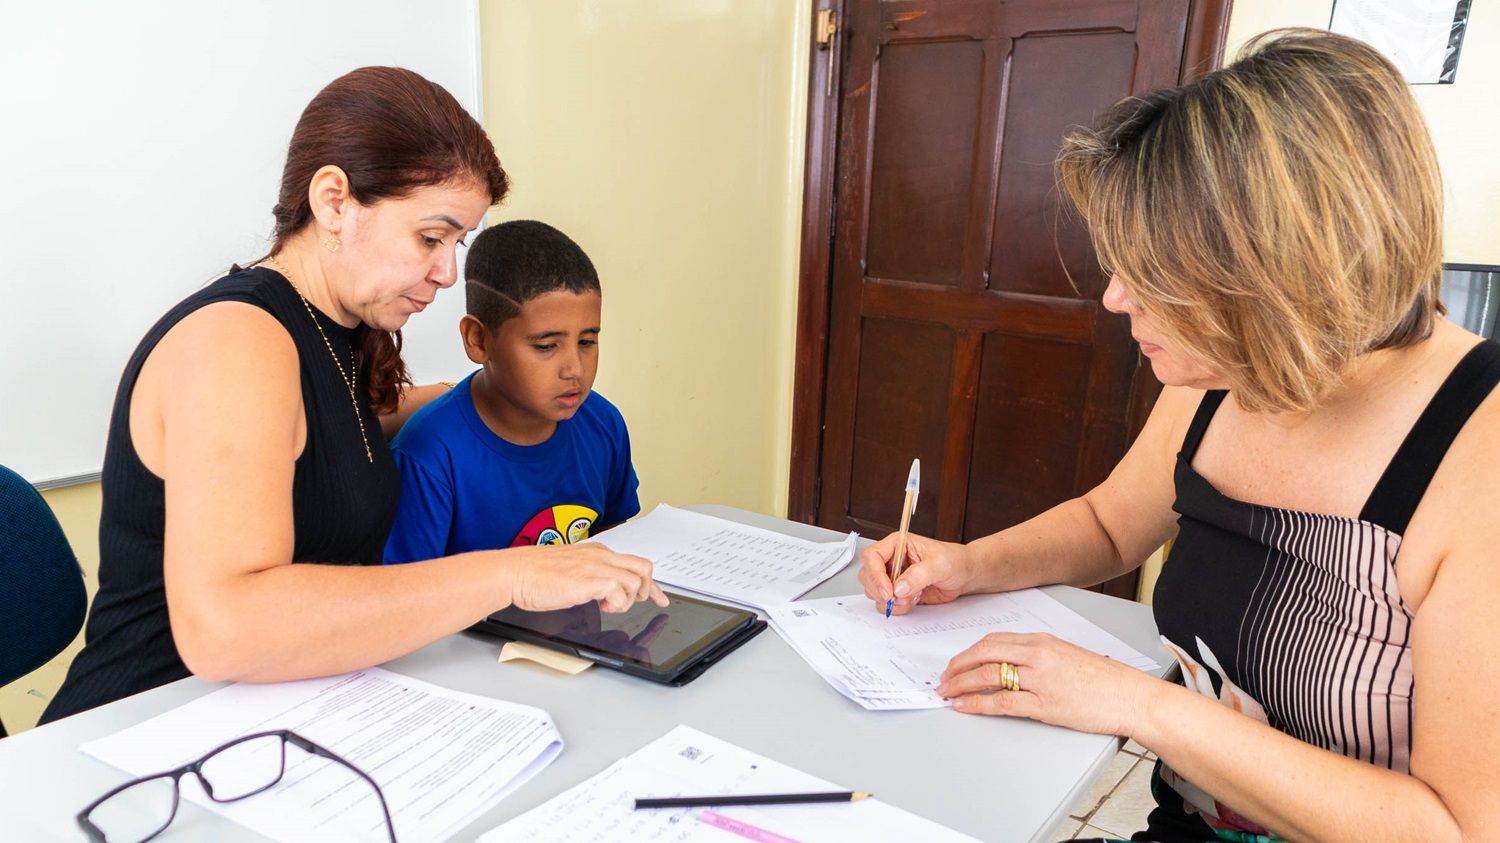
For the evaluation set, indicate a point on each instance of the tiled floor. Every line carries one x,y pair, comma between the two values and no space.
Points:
1119,802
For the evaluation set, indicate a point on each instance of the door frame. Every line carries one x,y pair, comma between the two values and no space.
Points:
1203,50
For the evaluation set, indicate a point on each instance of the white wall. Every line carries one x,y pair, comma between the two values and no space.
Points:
143,146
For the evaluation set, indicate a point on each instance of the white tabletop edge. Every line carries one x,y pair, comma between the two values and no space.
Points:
48,756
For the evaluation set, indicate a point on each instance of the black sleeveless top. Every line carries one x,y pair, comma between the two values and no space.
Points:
342,504
1296,618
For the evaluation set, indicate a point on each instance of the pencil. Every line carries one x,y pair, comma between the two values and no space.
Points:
749,799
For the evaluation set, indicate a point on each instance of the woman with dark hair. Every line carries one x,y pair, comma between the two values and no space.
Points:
247,432
1323,458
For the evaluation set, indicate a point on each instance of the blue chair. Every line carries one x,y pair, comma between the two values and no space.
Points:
42,598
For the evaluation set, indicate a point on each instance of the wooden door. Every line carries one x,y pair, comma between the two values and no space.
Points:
963,316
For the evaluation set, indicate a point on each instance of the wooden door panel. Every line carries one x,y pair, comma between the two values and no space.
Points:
1033,16
1052,418
901,412
1056,82
984,311
952,18
922,157
1028,428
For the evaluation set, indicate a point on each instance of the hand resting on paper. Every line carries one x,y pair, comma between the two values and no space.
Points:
934,572
1060,683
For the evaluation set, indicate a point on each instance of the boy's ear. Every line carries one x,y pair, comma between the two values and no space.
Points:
475,336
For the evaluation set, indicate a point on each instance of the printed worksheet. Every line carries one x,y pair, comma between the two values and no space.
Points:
894,663
441,757
688,762
718,558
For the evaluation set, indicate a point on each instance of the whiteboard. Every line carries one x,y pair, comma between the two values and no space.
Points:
141,145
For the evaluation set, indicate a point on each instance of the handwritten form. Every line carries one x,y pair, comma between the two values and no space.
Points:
688,762
719,558
894,663
440,757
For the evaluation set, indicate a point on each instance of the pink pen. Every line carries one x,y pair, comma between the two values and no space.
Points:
743,829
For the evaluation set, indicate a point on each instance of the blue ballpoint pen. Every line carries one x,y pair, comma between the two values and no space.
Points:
913,487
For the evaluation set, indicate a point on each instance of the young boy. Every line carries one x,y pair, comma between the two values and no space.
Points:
520,452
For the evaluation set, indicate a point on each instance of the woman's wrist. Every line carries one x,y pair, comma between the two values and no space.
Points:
503,567
970,562
1151,720
983,566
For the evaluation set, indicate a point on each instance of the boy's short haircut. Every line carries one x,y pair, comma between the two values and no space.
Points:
514,262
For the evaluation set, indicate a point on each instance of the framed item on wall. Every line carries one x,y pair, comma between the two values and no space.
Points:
1471,293
1422,37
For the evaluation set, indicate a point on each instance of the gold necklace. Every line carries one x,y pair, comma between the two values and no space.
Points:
347,378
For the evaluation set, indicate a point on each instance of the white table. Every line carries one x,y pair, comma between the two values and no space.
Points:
993,778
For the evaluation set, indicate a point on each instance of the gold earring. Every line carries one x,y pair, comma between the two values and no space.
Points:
333,242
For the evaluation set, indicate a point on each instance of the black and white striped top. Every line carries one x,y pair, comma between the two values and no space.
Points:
1296,618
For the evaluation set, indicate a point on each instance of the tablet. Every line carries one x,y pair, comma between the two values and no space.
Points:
671,645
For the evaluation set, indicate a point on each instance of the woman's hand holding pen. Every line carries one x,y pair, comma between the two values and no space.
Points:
934,572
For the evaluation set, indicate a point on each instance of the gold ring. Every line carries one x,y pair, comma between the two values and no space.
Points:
1010,677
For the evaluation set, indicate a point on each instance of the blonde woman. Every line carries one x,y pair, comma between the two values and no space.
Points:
1324,457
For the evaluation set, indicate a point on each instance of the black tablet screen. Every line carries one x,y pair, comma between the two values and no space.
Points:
648,635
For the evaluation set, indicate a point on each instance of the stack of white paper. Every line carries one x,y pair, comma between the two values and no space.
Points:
688,762
441,757
735,562
895,662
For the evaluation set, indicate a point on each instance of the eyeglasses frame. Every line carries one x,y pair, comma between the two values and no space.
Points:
96,835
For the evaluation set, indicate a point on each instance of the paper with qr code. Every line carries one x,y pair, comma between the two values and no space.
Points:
894,663
687,762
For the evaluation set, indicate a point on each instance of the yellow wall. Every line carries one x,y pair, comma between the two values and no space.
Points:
666,138
77,509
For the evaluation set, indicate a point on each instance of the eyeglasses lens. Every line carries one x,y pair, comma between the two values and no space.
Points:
137,812
243,768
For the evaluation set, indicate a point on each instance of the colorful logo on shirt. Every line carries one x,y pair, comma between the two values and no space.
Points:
563,524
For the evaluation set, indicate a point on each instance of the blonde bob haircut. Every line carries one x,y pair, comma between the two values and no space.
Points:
1278,218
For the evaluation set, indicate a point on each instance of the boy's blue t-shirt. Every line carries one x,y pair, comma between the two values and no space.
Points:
464,488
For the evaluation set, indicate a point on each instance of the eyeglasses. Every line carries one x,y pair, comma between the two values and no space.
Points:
139,810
